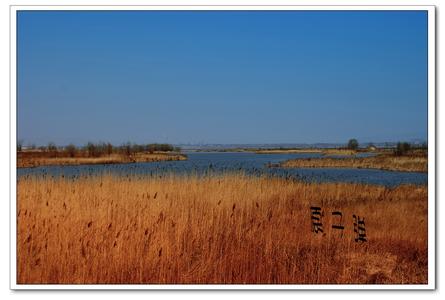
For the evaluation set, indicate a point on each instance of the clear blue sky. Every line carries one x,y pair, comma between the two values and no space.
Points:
221,77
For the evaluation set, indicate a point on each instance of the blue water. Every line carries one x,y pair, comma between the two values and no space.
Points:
201,163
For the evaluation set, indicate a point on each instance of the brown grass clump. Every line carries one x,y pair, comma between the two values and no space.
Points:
382,162
339,152
216,229
28,161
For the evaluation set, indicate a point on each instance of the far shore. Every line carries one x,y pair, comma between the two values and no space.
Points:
406,163
24,161
324,151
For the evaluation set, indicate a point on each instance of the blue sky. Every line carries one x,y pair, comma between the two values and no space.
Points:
222,77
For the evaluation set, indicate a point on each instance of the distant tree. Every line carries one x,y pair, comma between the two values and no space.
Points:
402,148
109,149
92,150
101,149
19,145
353,144
159,147
135,148
71,150
52,149
150,148
126,148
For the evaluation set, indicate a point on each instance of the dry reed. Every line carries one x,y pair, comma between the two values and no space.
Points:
217,229
382,162
33,161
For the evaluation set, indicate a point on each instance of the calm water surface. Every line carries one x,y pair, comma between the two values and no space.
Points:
202,163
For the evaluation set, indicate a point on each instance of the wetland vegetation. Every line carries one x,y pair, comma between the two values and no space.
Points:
230,228
409,161
217,218
100,153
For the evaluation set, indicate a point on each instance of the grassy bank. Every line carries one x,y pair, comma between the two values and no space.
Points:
340,152
226,229
27,161
326,151
382,162
330,151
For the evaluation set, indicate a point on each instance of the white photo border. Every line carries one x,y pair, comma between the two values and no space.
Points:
430,9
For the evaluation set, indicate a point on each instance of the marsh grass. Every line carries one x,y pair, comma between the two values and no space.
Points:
36,160
217,229
339,152
330,151
381,162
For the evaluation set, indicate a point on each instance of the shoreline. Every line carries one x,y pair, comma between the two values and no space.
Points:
380,162
32,162
323,151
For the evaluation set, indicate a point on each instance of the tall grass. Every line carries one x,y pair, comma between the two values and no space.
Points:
29,160
382,162
217,229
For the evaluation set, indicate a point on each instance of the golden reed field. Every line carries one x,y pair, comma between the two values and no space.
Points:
218,229
30,160
381,162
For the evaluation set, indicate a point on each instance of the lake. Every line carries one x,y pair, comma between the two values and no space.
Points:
203,163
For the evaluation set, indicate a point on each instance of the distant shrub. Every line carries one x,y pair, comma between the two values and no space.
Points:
51,147
19,145
353,144
150,148
402,148
71,150
159,147
92,150
102,149
135,148
126,149
109,149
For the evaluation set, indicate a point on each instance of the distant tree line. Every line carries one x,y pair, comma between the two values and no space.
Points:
404,148
401,148
99,149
